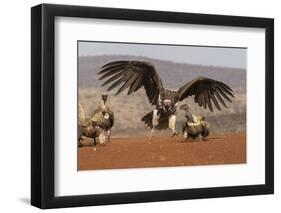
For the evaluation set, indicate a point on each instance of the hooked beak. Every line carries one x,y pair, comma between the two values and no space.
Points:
167,104
104,97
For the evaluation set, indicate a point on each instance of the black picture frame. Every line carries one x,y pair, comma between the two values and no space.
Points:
43,110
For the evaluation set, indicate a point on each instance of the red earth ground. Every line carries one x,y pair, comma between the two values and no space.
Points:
163,152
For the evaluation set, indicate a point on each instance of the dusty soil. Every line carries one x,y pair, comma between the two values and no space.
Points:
163,152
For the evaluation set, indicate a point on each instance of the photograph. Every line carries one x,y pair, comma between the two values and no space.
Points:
170,105
144,105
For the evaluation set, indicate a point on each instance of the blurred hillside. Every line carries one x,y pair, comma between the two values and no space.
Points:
173,74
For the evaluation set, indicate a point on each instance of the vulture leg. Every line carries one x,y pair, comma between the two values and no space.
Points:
79,141
95,141
185,134
102,138
155,122
80,136
172,124
184,131
108,133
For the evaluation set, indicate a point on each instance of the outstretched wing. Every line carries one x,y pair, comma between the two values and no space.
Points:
207,92
132,75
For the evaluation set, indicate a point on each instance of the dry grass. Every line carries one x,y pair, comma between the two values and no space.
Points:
129,110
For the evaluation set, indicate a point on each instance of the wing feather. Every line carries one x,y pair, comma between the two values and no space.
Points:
209,103
110,68
201,99
225,86
226,90
109,73
206,99
221,91
220,98
115,84
134,86
132,75
206,92
127,84
113,63
213,98
114,77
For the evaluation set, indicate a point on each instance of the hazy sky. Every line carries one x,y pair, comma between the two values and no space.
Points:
215,56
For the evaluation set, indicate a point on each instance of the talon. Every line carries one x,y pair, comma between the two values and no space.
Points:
175,134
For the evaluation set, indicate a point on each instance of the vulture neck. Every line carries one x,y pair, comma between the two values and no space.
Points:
102,105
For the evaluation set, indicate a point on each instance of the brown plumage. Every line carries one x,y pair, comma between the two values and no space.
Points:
133,75
103,117
195,126
99,125
197,129
89,131
86,128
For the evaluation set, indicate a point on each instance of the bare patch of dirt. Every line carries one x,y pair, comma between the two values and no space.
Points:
163,151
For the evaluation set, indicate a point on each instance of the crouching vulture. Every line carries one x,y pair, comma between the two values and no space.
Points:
195,126
133,75
99,125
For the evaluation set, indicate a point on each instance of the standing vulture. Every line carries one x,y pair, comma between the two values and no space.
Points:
103,118
133,75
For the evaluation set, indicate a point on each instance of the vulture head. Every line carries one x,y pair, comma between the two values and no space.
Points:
104,97
168,100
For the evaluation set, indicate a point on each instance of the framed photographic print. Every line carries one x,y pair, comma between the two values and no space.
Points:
139,106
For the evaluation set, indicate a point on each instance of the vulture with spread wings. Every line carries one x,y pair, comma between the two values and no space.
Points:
133,75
